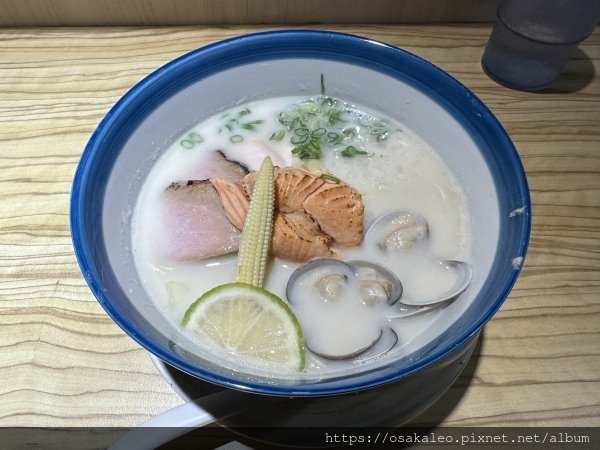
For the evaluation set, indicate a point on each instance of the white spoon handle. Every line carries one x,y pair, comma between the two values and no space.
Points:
177,421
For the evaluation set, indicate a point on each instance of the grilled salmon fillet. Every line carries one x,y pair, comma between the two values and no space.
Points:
312,215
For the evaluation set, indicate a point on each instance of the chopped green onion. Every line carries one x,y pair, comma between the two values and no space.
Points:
328,101
251,126
308,150
300,136
283,118
191,140
329,177
334,138
318,132
296,123
298,139
277,136
349,132
323,123
236,138
351,151
234,122
334,116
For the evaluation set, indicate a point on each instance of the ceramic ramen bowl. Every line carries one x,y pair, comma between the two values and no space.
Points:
162,107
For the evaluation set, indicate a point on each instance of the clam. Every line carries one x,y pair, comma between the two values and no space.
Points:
406,308
464,275
398,230
377,282
330,279
386,341
320,350
343,296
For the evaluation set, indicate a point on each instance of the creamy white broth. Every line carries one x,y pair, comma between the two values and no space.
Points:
401,172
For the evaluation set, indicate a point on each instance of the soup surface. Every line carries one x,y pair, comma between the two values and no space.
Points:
392,169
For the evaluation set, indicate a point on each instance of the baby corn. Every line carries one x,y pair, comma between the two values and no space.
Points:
256,234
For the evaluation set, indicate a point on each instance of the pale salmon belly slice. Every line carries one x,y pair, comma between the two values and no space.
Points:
234,200
218,166
195,223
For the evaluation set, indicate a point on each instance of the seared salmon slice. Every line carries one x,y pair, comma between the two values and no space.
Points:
293,186
312,215
339,211
296,237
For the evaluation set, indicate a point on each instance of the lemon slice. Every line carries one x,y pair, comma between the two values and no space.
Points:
249,322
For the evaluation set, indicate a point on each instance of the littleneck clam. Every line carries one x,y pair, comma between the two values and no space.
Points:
318,349
344,298
377,283
329,277
386,341
464,275
398,230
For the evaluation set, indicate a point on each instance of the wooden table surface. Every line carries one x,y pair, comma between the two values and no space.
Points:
64,363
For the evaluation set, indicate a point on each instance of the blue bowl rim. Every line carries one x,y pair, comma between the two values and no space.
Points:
137,103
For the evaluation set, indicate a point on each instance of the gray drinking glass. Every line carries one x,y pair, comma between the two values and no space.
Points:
532,40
